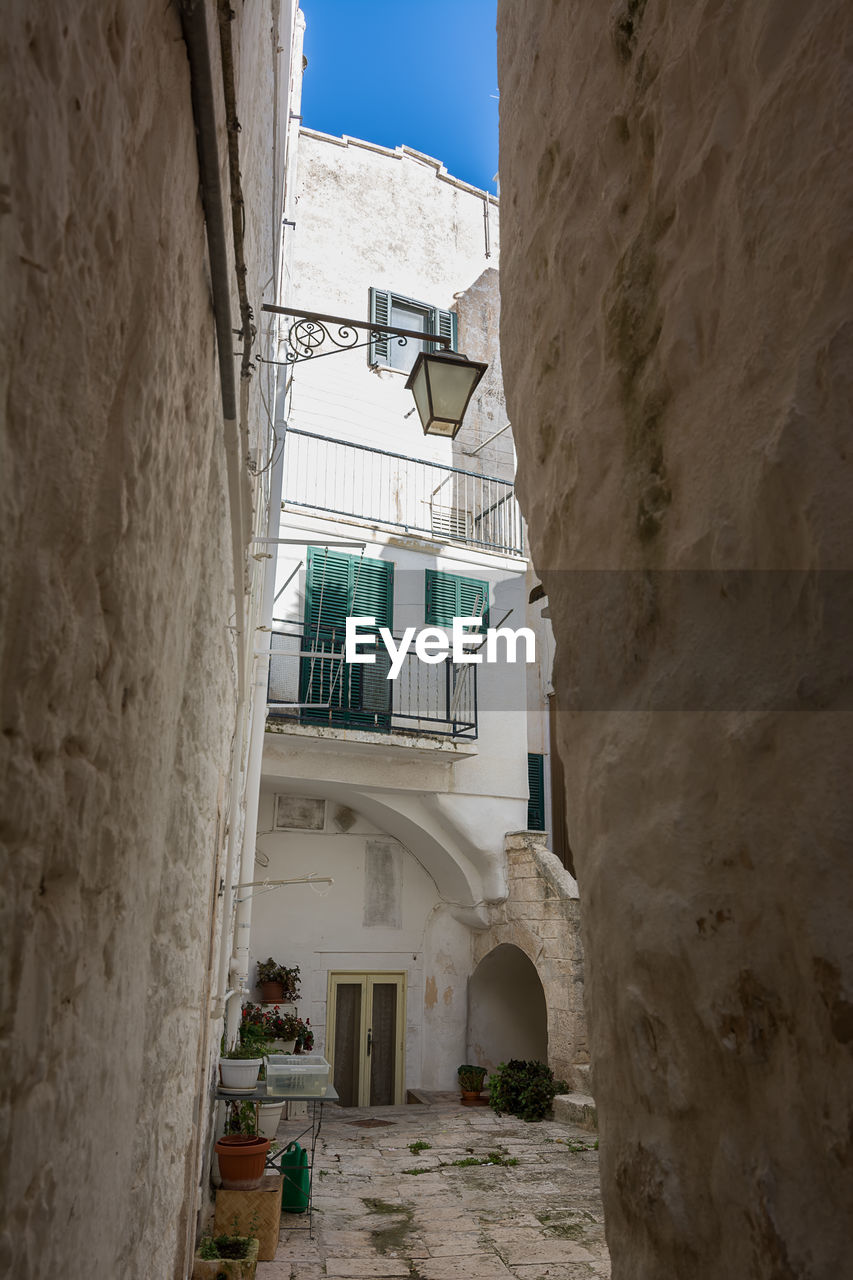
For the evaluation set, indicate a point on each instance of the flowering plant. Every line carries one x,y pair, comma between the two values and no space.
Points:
268,1024
283,1026
304,1037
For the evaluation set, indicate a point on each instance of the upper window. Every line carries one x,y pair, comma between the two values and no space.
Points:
404,313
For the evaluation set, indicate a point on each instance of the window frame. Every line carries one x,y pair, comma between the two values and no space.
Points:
437,320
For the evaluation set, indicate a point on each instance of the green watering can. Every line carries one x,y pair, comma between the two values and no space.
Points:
296,1179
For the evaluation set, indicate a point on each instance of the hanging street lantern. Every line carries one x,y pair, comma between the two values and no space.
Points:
442,383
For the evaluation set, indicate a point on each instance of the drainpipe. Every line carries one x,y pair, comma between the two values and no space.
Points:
200,42
193,15
243,923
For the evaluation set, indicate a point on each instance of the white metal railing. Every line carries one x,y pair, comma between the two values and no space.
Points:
310,682
446,503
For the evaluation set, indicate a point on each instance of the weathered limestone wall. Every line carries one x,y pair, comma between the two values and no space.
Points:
117,667
541,916
676,343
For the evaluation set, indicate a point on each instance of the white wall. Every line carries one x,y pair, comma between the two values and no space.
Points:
122,578
324,928
367,216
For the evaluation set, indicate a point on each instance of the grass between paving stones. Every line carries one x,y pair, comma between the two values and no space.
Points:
494,1157
575,1144
420,1145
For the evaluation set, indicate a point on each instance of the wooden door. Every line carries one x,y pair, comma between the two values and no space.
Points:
366,1027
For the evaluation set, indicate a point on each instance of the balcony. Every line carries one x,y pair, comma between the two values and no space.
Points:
311,684
389,489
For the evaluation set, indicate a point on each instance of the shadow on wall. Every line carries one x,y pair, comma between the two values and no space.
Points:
507,1015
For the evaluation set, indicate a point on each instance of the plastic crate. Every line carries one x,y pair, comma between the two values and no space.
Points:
297,1073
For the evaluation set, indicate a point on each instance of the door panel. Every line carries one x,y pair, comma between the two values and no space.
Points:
382,1049
347,1042
366,1024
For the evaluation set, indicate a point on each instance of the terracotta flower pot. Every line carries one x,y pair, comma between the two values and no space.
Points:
272,992
242,1161
471,1099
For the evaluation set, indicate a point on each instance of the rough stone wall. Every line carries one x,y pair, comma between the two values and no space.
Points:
117,665
676,342
541,917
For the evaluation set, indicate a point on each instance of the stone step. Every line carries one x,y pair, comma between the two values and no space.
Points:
577,1109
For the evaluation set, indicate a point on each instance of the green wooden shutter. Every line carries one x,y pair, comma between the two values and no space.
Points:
380,312
444,322
442,598
328,592
536,792
339,586
474,599
373,590
449,596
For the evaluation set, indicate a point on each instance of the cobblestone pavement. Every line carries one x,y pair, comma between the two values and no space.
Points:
532,1212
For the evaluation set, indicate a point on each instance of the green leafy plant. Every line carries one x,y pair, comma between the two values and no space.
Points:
241,1118
471,1077
214,1247
523,1088
246,1050
419,1145
494,1157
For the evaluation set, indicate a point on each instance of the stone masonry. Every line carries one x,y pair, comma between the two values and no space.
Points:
541,916
676,222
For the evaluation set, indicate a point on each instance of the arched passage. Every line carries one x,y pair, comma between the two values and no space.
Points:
507,1016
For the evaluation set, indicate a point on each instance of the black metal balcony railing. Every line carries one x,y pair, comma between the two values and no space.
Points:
446,503
310,683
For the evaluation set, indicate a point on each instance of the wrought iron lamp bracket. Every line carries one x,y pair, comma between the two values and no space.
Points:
313,335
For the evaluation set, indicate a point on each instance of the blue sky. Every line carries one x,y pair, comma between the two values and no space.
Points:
418,72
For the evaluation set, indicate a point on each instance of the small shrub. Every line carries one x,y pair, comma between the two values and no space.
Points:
470,1077
524,1089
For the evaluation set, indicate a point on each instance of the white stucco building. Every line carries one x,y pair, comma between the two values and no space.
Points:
401,792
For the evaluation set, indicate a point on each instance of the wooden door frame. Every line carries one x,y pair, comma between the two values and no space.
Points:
368,975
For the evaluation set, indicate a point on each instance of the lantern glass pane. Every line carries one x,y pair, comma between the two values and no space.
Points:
451,385
419,391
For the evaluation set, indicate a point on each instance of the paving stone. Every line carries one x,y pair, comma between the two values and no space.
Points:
482,1266
545,1250
452,1223
346,1268
554,1271
458,1245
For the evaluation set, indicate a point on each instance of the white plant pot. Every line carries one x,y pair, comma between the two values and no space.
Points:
239,1073
269,1118
284,1046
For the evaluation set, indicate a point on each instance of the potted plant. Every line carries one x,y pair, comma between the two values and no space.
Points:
471,1083
278,984
283,1028
239,1067
242,1151
234,1257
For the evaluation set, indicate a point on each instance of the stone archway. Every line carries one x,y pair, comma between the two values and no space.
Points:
541,918
507,1013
